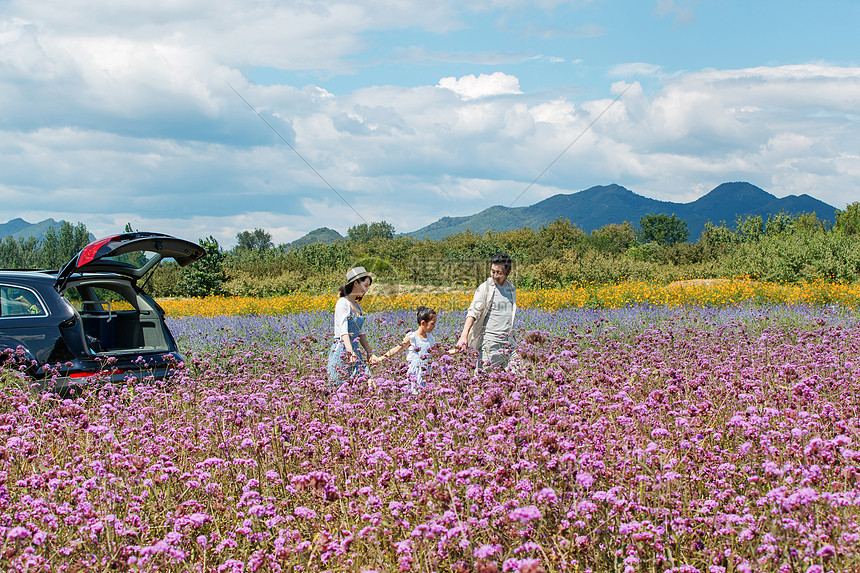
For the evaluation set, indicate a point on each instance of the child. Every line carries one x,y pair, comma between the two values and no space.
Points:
418,344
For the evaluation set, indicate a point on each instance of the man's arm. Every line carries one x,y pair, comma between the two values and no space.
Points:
467,326
475,310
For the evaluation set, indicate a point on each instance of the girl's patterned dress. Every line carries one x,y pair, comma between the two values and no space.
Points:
419,360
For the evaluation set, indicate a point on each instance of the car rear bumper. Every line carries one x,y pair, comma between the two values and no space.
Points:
81,374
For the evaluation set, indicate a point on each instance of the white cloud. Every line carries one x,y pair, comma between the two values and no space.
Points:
471,87
681,10
317,35
426,147
634,69
120,112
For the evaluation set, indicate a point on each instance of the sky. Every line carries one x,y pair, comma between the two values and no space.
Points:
204,118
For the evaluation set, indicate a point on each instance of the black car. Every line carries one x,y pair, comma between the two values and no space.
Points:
90,321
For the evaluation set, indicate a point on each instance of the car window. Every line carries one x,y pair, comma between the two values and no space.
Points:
136,259
19,301
98,298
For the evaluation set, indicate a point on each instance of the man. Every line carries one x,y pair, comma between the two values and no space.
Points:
490,318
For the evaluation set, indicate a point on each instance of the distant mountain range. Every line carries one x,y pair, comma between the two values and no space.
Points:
589,209
21,229
601,205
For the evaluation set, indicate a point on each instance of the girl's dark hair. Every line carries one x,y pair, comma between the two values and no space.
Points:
425,313
347,288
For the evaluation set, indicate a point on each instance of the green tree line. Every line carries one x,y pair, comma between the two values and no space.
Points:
780,247
55,249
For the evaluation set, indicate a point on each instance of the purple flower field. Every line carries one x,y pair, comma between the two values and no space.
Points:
641,439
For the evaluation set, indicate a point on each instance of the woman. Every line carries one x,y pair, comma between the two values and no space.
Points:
345,361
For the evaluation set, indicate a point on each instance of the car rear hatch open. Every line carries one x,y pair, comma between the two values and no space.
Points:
129,254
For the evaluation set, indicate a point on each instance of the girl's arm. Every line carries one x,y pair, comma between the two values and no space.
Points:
394,350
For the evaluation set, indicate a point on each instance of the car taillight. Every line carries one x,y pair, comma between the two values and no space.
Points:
90,373
88,253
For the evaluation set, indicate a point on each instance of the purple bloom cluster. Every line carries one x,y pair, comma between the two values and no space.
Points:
706,440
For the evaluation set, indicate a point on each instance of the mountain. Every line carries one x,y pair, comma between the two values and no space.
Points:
21,229
601,205
12,227
321,235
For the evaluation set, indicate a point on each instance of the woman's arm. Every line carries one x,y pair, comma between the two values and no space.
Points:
394,350
347,343
362,339
341,316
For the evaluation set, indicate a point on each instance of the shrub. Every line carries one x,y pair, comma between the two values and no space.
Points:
205,276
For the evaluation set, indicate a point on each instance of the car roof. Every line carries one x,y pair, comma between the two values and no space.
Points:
28,275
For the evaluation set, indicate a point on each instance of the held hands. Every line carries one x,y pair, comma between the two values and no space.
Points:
374,360
461,344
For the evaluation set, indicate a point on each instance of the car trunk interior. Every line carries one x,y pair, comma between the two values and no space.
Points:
116,318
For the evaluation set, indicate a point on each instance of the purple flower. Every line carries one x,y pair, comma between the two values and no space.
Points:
484,551
17,532
302,511
627,528
546,495
525,514
584,479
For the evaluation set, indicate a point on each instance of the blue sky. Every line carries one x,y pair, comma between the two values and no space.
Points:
411,110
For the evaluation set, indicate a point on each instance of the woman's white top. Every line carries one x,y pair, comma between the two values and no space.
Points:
342,311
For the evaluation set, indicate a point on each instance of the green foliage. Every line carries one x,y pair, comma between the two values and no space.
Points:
377,267
799,255
56,248
165,280
848,220
644,252
205,276
753,228
59,246
257,241
601,268
613,238
783,248
242,283
717,240
662,229
364,232
750,228
778,223
680,254
319,258
19,253
809,222
559,236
